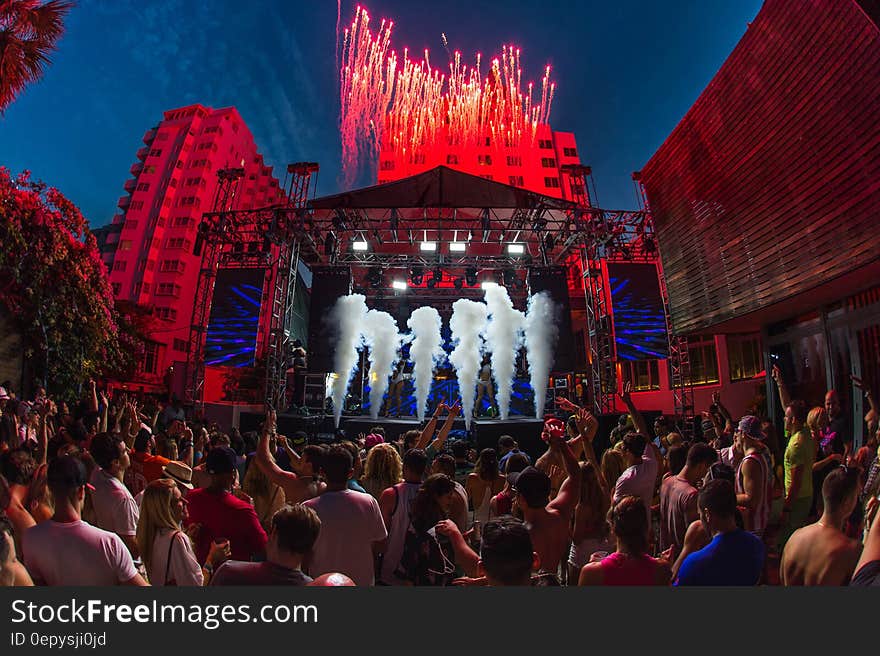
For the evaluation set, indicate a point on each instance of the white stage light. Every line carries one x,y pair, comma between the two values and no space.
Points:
457,247
359,246
399,284
516,249
428,246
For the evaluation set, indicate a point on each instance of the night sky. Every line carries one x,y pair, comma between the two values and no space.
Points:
626,72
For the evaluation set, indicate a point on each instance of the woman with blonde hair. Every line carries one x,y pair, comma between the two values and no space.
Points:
612,466
829,452
165,548
590,532
383,469
268,497
39,499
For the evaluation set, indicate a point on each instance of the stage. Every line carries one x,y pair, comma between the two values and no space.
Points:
484,432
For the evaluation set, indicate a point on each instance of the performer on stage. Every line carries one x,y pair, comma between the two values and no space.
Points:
398,381
484,384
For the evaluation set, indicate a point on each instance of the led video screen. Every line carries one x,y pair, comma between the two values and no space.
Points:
235,317
637,310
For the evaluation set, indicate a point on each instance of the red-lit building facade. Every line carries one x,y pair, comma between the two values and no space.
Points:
534,164
149,246
765,199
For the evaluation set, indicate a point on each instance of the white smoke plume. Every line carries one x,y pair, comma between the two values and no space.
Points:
541,333
425,352
347,318
383,338
467,324
503,338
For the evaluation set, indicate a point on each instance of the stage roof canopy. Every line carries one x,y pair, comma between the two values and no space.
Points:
442,187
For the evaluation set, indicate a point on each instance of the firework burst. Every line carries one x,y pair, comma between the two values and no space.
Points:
406,106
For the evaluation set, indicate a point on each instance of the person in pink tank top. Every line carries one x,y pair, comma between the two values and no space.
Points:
630,564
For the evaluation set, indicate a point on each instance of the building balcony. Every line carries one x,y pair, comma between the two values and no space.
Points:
142,153
124,202
130,185
119,219
149,135
136,168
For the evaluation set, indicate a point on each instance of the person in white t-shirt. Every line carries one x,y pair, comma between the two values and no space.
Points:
114,506
68,551
640,476
352,528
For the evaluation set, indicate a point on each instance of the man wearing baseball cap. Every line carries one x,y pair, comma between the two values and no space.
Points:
68,551
220,514
753,476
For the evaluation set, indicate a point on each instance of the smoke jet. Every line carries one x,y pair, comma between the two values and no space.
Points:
541,332
503,338
425,352
347,317
467,324
383,339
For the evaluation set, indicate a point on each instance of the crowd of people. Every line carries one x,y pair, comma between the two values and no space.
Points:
108,492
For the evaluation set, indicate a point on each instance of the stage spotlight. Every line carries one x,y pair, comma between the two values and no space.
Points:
360,245
416,274
516,249
457,247
488,284
458,282
428,246
399,284
470,277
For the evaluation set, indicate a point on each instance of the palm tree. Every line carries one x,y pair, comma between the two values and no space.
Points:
29,31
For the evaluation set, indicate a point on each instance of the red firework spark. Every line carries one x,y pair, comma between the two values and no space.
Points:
409,106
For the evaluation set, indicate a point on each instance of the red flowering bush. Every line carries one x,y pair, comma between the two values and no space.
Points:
54,286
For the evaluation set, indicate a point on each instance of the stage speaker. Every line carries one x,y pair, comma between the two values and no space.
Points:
328,284
553,281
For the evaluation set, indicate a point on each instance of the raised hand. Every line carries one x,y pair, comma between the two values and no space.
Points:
566,405
716,397
626,394
857,382
587,424
455,409
776,374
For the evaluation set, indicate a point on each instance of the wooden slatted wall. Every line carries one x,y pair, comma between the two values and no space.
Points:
770,185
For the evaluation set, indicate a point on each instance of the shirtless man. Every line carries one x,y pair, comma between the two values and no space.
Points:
297,487
821,554
17,466
548,521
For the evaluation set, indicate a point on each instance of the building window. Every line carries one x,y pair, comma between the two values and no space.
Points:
151,358
178,243
546,144
418,158
548,162
125,245
172,266
744,356
183,222
142,265
514,160
150,168
190,200
387,165
136,205
487,177
643,374
551,182
143,186
704,360
570,152
452,159
484,160
119,265
180,345
155,152
168,314
168,289
130,224
515,180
